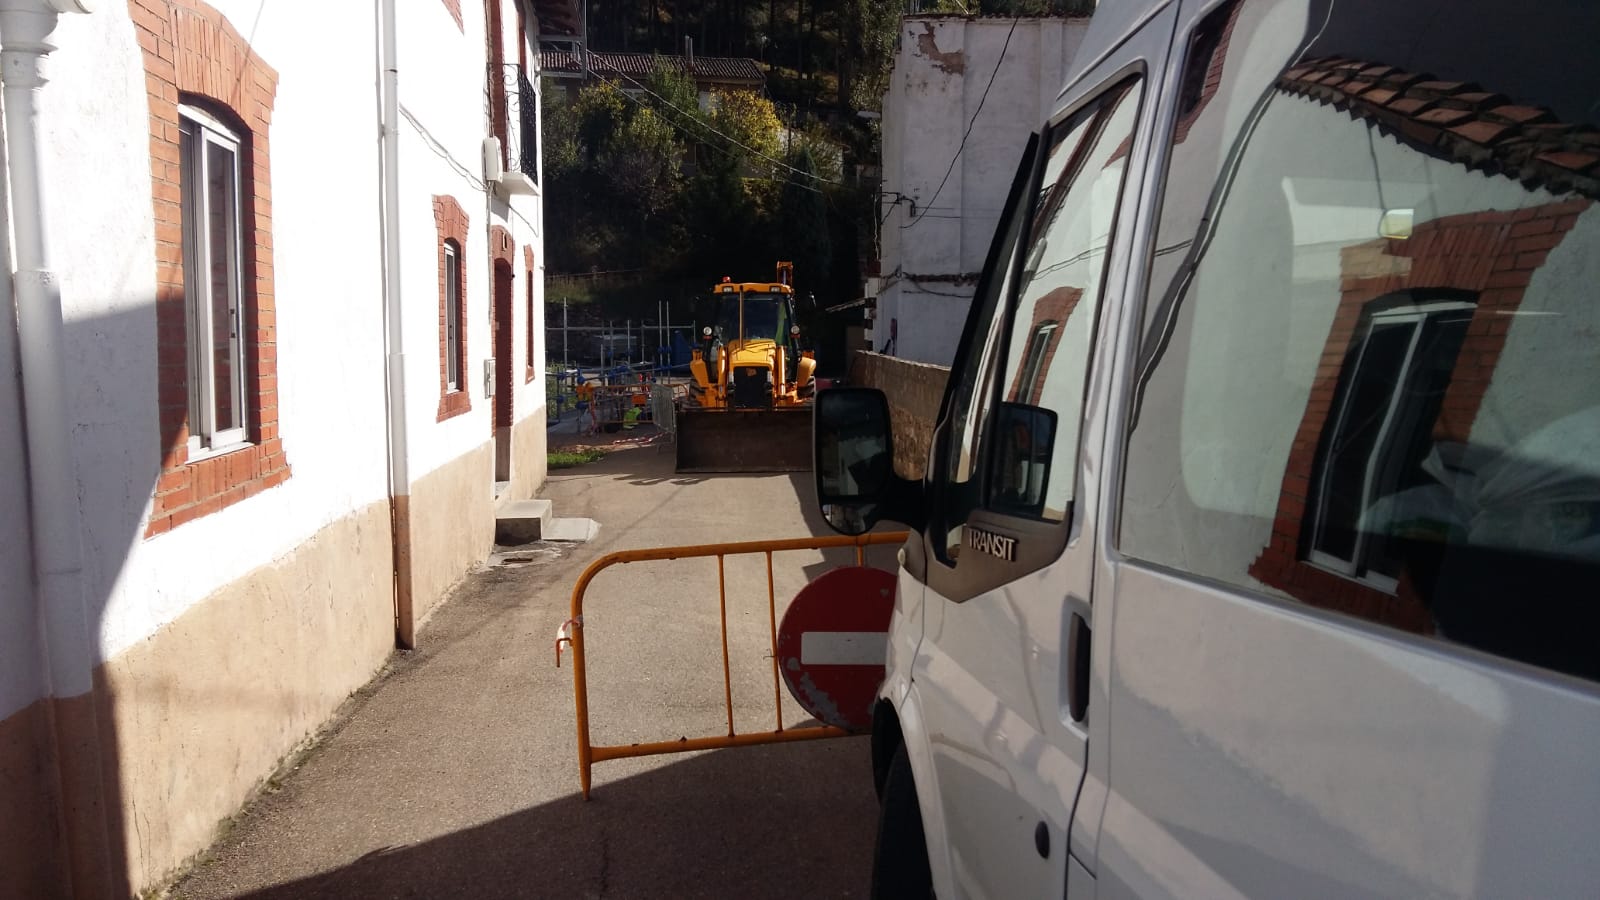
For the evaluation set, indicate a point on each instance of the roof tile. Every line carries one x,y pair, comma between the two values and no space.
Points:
1475,127
738,71
1566,159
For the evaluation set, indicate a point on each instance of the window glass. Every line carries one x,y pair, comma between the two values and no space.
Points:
222,218
1031,358
971,385
452,315
969,410
209,186
1052,326
1369,379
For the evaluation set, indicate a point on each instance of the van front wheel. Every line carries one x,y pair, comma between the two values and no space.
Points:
900,868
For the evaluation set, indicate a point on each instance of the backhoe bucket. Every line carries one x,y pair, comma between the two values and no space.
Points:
744,440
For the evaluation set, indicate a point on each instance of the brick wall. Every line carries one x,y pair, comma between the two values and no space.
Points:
1054,308
454,6
914,390
451,221
192,54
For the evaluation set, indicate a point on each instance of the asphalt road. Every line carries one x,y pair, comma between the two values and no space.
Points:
454,773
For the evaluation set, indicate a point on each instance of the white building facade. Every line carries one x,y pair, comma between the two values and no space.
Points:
964,95
272,365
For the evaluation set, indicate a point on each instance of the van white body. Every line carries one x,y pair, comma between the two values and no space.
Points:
1258,550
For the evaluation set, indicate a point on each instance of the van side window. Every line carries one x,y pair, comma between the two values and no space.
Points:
1036,354
1058,296
1368,379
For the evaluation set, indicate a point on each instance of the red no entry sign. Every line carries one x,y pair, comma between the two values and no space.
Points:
833,643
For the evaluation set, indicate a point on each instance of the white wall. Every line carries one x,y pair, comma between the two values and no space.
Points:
444,119
937,86
326,268
327,283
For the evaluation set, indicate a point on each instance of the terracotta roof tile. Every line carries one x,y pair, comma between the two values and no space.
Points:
737,71
1516,115
1458,120
1481,132
1566,159
1409,106
1443,115
1477,99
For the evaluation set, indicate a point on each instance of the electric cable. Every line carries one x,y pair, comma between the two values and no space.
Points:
970,123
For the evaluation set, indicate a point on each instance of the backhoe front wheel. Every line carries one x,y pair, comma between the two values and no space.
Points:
900,868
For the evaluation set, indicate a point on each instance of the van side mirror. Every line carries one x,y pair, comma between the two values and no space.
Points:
853,450
1023,447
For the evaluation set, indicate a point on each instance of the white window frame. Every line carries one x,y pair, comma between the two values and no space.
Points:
1033,359
452,317
205,132
1355,567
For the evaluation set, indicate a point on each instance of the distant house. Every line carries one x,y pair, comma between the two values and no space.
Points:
712,74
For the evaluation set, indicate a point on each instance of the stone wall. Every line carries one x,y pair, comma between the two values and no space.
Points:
915,391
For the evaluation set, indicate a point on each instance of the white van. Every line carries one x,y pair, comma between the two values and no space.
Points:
1259,550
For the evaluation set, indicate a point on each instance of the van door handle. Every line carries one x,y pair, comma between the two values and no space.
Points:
1078,644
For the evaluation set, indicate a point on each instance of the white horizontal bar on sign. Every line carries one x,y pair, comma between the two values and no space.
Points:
844,648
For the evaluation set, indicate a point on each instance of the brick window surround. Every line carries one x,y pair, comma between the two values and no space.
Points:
454,7
533,323
193,54
494,35
1491,254
451,221
1053,308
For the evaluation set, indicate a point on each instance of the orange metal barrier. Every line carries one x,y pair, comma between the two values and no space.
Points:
572,634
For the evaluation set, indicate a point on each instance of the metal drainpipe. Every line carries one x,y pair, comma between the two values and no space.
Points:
69,646
394,330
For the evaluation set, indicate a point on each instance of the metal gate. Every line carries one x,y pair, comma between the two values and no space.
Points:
572,633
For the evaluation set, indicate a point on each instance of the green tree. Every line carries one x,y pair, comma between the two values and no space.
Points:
749,119
802,225
613,178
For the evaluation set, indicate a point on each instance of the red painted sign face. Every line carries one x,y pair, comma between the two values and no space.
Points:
833,643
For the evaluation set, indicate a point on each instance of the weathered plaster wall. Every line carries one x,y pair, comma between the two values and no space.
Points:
937,90
529,462
204,708
452,524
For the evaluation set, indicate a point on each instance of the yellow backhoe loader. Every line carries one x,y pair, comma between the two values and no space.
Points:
750,404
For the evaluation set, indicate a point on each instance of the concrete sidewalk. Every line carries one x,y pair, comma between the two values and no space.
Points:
454,774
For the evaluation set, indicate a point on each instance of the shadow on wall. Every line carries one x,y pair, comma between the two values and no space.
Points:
648,836
110,362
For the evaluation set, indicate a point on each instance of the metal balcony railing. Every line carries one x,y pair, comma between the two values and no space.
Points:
522,121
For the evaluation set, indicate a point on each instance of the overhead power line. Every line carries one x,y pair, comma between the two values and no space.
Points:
971,122
723,151
694,117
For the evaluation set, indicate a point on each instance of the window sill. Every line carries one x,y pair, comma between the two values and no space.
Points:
200,454
453,403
